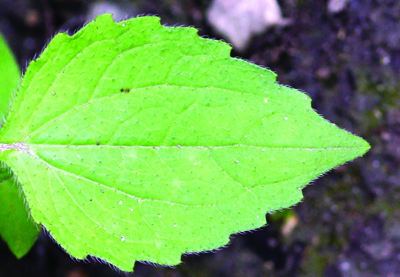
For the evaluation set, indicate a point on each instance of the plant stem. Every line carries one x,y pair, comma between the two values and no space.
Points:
17,146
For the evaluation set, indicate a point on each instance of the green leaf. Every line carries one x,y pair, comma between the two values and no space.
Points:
9,78
16,228
138,142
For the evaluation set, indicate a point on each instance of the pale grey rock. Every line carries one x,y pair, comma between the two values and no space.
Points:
335,6
239,20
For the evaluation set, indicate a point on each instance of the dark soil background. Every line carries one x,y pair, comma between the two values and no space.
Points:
349,63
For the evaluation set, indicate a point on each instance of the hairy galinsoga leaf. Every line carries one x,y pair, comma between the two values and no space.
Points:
135,141
16,228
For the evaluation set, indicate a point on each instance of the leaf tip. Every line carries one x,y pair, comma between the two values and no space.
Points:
364,145
361,145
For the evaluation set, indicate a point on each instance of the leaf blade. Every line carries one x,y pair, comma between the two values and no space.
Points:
159,153
9,78
16,228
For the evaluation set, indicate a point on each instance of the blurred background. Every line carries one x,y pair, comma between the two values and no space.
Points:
345,54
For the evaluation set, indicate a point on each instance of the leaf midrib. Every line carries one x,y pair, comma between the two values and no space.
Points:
195,147
27,147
